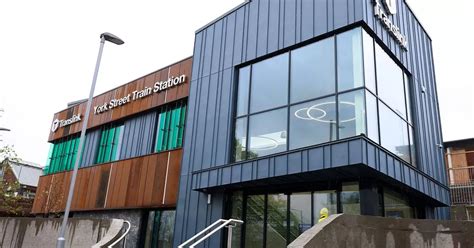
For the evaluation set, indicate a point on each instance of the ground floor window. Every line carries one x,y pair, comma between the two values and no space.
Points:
159,229
275,220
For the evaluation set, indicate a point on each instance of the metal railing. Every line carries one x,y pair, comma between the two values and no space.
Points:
210,230
122,237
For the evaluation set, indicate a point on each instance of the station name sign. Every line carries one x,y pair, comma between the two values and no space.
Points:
382,13
63,123
139,94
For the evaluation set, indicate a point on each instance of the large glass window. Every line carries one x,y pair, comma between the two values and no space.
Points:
300,214
236,213
267,132
277,205
240,140
243,91
394,133
390,82
254,223
365,78
324,199
396,205
313,71
274,220
351,114
269,85
350,198
313,123
372,117
170,127
350,71
160,229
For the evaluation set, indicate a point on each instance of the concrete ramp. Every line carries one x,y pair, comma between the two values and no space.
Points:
43,232
351,231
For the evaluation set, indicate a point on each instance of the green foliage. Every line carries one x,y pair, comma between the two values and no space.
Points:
10,199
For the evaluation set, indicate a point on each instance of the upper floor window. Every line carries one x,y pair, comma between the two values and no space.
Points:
62,155
170,127
109,144
331,89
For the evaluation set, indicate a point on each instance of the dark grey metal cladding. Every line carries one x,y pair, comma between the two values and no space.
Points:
353,151
138,136
90,148
262,27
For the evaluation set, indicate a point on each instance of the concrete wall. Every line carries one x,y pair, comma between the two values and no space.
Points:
352,231
40,232
134,216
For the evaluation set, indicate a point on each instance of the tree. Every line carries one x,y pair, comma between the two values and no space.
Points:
10,199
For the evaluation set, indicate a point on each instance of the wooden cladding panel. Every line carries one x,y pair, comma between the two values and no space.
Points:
130,183
143,104
41,197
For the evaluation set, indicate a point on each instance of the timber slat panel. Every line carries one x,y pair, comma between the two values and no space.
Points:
152,101
130,183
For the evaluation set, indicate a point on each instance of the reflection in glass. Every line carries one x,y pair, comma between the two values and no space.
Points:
165,237
350,199
313,123
390,82
394,133
240,139
349,60
369,62
396,205
411,132
313,71
372,117
243,92
237,205
300,214
276,220
267,132
324,199
254,221
351,114
408,97
269,87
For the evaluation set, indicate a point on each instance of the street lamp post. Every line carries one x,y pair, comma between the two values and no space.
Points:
103,37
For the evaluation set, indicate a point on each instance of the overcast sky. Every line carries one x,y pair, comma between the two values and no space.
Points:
48,50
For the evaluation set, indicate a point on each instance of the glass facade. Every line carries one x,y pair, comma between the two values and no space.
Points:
335,88
276,219
396,205
159,229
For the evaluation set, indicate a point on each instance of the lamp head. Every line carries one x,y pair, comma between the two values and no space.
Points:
111,38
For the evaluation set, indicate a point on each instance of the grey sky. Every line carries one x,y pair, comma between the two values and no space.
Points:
48,50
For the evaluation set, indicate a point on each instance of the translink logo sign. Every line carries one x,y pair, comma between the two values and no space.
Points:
390,6
62,123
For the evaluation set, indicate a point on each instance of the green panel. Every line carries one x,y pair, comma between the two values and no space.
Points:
173,128
100,154
161,132
182,118
108,145
115,144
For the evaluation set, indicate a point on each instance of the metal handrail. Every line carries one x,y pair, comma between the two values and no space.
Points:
225,223
123,235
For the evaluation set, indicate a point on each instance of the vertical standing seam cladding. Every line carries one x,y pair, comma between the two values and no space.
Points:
261,27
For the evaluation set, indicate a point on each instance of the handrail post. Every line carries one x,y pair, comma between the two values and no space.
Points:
229,236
